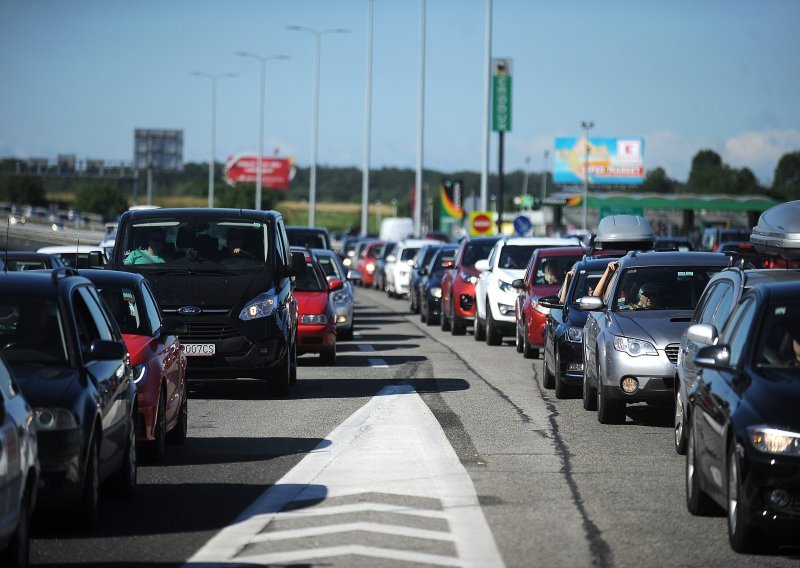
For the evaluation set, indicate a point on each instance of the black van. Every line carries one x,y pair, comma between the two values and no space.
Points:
227,273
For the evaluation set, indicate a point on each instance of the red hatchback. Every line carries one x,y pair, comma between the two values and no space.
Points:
156,355
543,277
458,285
367,258
316,317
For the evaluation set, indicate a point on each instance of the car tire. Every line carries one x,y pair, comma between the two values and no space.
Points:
87,510
279,377
562,388
457,327
609,411
493,335
480,329
177,436
156,448
547,377
743,537
444,321
698,501
124,480
519,342
17,552
328,356
423,311
346,335
679,437
589,393
527,351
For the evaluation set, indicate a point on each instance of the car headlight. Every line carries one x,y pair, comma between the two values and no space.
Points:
140,375
774,441
370,268
506,309
574,334
505,287
261,306
634,347
314,319
340,298
436,292
53,419
347,261
540,308
469,278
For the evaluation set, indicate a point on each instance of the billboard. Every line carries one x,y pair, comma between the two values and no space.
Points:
158,149
276,173
612,161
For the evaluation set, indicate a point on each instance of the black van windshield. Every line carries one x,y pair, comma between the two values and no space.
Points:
193,245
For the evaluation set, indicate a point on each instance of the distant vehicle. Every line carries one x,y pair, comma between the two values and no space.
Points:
110,235
365,262
316,316
713,236
430,286
19,477
379,280
344,299
309,237
68,357
156,355
26,260
682,244
78,256
398,274
396,229
421,259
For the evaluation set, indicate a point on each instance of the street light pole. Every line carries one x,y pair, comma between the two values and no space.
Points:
312,190
367,127
544,175
525,181
587,125
213,78
263,60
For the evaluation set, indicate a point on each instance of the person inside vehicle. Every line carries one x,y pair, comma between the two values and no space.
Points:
235,245
152,254
552,274
650,297
120,309
790,346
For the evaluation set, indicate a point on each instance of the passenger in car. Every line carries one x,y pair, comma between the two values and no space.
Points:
650,297
152,254
235,245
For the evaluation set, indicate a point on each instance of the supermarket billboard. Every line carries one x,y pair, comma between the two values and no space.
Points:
612,161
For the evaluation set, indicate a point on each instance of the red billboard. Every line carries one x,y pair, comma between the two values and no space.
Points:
276,173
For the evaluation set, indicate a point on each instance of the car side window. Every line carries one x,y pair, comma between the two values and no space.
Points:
281,240
737,332
723,310
102,320
151,306
6,386
85,322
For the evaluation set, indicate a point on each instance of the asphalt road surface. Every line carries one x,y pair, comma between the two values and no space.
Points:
418,448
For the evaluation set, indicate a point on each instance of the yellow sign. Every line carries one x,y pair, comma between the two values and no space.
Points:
481,224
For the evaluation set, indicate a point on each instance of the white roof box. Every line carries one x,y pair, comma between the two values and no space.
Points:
623,232
778,231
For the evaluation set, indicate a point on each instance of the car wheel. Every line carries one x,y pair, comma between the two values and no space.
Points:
16,553
177,435
547,377
87,510
562,388
279,378
457,327
493,335
480,329
680,424
414,305
527,351
444,321
697,501
124,480
741,534
155,449
589,393
609,411
519,342
328,356
345,335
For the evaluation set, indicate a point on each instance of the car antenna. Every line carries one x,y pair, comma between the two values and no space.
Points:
8,229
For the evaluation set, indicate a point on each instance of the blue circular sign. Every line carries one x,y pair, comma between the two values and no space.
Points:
522,225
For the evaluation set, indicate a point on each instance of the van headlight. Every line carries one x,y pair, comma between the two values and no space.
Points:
261,306
774,440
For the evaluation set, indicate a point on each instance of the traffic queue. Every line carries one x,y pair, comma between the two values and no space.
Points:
617,322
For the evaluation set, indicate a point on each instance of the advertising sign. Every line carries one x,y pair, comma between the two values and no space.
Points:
501,95
158,149
276,173
451,192
611,161
481,223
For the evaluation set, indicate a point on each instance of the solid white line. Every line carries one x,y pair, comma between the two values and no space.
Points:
351,550
361,508
365,347
379,528
378,364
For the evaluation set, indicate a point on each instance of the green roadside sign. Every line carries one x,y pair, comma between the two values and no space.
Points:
501,95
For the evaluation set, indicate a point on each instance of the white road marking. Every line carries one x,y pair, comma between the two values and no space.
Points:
352,527
365,347
392,445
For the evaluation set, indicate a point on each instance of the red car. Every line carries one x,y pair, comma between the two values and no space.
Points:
316,317
458,285
156,354
365,264
543,277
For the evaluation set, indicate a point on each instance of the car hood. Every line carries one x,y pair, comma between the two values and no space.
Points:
311,302
661,327
46,386
137,347
208,291
774,397
508,274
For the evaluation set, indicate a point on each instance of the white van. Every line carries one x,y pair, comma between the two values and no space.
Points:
396,229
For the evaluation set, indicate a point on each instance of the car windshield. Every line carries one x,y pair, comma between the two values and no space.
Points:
515,256
32,331
329,266
477,250
779,337
308,238
408,253
195,245
550,270
662,287
311,281
122,304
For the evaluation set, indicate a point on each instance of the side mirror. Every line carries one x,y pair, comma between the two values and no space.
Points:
590,304
713,357
96,259
391,258
422,271
482,265
448,263
354,275
173,326
550,302
298,268
335,284
519,284
703,333
104,350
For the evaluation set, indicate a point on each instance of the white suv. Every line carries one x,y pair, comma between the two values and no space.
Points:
398,272
495,298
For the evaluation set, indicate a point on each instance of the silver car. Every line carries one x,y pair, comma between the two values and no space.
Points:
632,335
343,300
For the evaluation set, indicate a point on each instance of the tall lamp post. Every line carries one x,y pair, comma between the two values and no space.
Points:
587,125
263,60
312,190
525,182
544,175
213,77
367,126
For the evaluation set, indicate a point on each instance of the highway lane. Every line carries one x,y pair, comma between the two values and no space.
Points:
554,486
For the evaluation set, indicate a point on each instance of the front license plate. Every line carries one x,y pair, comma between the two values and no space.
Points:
199,349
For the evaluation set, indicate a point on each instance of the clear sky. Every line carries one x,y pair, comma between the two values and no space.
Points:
78,76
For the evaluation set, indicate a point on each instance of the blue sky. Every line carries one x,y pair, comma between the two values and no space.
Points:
79,76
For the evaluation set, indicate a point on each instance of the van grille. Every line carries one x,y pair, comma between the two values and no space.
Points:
208,332
672,352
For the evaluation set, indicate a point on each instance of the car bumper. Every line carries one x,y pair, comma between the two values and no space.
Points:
61,462
535,322
315,338
570,359
655,376
761,475
344,311
463,295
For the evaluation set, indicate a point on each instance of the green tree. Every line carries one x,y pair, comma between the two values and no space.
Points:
242,196
657,181
22,190
746,183
101,197
710,175
786,183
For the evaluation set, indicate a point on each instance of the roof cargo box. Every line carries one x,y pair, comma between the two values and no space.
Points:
778,231
623,232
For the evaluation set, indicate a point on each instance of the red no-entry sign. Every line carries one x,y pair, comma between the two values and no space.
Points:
480,223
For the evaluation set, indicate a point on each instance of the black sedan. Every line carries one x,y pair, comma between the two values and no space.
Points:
743,446
563,328
430,285
71,364
19,260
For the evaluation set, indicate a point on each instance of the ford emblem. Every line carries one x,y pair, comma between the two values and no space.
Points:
189,310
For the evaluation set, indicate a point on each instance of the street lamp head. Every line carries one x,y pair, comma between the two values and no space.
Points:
587,124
